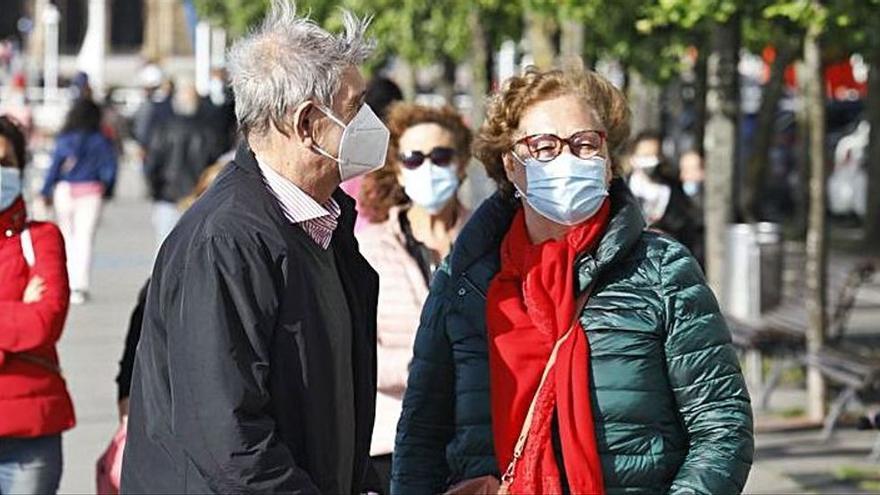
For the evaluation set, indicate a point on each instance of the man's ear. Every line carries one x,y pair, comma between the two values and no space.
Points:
304,123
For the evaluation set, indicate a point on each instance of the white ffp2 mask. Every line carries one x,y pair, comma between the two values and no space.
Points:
363,145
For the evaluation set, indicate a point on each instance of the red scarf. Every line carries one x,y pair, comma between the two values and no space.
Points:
530,305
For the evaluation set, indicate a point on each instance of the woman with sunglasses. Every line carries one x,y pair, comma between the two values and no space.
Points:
564,348
415,215
35,407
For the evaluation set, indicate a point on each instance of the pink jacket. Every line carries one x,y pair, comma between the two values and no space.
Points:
402,292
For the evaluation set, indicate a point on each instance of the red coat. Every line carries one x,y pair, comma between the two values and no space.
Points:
33,399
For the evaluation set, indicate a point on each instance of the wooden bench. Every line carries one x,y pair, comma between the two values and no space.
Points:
780,333
858,378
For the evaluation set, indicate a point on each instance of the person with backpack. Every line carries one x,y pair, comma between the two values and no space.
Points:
35,407
82,174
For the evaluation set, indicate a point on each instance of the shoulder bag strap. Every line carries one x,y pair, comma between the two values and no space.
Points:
27,247
37,361
507,477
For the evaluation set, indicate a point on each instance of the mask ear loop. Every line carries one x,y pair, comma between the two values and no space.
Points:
336,121
518,194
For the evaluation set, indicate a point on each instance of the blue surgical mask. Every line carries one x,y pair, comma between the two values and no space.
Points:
567,190
691,187
430,186
10,186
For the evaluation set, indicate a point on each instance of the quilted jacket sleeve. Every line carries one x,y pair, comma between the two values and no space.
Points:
426,424
28,326
707,382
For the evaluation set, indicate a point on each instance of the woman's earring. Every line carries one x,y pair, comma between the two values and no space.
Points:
517,195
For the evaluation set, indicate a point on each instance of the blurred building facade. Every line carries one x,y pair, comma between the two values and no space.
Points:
155,29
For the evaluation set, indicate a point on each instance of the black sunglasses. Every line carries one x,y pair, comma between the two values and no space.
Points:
441,156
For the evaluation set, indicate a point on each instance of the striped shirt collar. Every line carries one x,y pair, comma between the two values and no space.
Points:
319,221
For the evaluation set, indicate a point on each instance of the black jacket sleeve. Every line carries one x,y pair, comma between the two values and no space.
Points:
219,343
126,365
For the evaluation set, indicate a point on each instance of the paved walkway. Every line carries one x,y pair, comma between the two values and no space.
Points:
93,339
786,462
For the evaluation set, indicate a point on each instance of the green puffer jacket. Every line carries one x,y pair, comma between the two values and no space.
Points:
671,409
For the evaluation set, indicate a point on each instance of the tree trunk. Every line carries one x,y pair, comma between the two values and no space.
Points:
446,84
478,186
720,144
539,32
701,74
765,130
816,231
802,153
571,44
644,98
872,217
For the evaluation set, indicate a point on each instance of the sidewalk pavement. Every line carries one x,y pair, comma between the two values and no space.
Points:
797,460
792,459
92,343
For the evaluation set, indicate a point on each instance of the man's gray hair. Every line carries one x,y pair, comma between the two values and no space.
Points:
289,59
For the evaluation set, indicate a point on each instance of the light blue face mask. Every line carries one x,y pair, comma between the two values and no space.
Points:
691,188
430,186
10,186
567,190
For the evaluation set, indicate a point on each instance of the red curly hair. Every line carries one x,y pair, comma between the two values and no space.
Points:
506,107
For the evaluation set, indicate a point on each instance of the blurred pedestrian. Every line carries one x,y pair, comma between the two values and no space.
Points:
260,321
81,175
16,103
156,107
416,215
656,184
692,173
381,94
80,87
562,342
34,404
218,108
180,149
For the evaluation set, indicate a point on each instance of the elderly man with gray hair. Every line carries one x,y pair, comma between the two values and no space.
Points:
256,369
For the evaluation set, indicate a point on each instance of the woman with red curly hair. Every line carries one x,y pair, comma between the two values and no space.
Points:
415,215
34,296
563,347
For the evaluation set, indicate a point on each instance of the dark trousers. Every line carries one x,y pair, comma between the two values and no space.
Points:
379,475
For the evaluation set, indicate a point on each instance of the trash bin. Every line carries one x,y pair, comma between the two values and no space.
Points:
753,275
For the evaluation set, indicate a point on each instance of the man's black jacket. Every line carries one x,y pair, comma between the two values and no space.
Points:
234,388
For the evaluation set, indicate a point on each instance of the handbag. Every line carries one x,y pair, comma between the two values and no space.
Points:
108,470
490,484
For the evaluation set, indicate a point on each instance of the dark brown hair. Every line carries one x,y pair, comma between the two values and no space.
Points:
11,131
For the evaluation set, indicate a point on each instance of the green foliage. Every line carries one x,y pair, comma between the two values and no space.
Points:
647,35
237,16
418,31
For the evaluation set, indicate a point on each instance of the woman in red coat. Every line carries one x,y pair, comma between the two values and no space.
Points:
34,404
